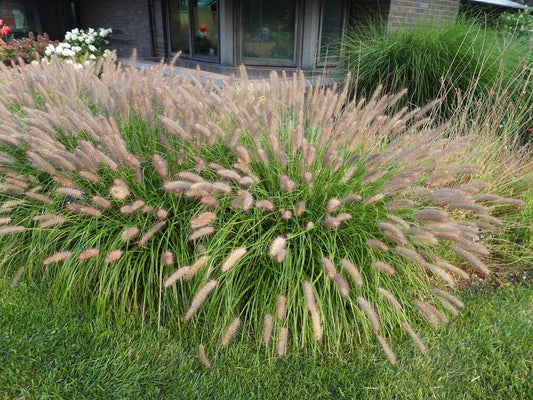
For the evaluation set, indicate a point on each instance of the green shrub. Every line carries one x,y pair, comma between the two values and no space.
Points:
431,60
518,23
291,216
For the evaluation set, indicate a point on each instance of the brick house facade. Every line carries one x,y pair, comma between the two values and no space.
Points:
226,33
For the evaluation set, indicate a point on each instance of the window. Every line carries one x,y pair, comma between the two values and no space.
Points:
18,15
332,30
194,27
269,31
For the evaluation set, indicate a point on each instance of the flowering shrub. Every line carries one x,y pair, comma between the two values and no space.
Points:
25,50
78,43
280,213
4,31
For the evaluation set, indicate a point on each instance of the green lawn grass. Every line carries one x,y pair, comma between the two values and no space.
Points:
52,353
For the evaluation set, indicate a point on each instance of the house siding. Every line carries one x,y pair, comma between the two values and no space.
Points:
408,12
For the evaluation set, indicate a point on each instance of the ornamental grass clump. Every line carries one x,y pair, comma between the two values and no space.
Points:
294,217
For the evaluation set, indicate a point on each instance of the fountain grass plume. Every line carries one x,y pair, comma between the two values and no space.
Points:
190,204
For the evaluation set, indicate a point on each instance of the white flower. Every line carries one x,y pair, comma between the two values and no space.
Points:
104,32
68,53
49,50
76,49
92,48
92,57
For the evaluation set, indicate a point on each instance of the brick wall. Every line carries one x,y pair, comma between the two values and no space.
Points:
408,12
129,20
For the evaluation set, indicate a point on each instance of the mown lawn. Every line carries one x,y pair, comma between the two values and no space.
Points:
52,353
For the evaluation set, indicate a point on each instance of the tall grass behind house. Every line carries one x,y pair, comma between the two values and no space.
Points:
433,60
298,218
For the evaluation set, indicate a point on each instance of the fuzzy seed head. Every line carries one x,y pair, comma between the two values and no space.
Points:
351,198
129,209
352,271
265,205
150,233
200,233
342,285
101,202
88,254
199,298
202,219
386,349
177,275
228,174
277,248
50,220
57,257
160,166
310,301
375,199
282,341
287,183
377,244
267,328
202,356
414,337
332,222
69,192
113,256
129,233
232,260
286,215
230,332
369,312
410,255
161,214
168,258
450,297
299,208
333,204
5,221
391,232
119,190
431,215
390,298
470,258
281,307
190,177
210,201
427,313
384,267
242,155
328,267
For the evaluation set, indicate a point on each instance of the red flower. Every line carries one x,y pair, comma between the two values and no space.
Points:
5,30
1,22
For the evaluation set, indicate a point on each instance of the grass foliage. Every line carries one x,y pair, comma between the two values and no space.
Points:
298,218
434,60
50,352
